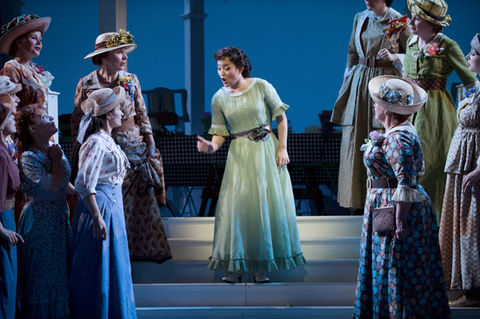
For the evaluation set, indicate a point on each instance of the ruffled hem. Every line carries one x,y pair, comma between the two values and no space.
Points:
219,130
279,110
242,265
406,194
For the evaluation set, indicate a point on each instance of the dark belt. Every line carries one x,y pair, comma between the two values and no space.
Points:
381,183
430,84
372,62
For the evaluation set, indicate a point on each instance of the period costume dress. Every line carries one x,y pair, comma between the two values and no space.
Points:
143,188
436,121
45,228
400,278
460,231
354,109
10,183
33,90
100,279
255,218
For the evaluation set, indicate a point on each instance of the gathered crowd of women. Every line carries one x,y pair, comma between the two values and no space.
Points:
410,163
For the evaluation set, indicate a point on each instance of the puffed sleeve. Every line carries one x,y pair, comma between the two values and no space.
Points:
219,123
352,56
33,169
456,59
90,162
273,101
141,117
12,72
77,113
406,159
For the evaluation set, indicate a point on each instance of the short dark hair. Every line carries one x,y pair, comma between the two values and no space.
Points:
237,56
96,124
388,2
97,59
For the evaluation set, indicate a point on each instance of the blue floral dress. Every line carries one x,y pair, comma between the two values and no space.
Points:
400,278
44,225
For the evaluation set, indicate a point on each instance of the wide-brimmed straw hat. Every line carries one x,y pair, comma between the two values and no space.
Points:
5,113
434,11
101,101
475,43
21,25
111,41
397,95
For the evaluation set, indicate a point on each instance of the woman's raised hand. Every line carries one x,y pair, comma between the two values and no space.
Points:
55,153
205,146
386,55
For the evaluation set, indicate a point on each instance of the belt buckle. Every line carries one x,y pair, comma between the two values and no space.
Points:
369,183
371,62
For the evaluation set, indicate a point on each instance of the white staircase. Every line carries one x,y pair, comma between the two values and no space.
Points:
323,288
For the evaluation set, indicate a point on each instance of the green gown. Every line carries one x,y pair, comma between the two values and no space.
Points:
255,218
436,121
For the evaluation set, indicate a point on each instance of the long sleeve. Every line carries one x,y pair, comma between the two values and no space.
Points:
3,183
457,61
77,112
406,167
352,57
141,117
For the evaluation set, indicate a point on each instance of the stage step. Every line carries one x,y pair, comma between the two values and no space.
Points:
308,226
274,300
312,248
245,294
173,271
270,312
322,237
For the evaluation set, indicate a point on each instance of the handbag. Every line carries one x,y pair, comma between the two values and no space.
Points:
384,219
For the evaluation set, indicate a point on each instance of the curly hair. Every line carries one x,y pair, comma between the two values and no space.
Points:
237,56
26,116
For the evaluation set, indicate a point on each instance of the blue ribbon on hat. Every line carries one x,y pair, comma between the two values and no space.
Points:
84,123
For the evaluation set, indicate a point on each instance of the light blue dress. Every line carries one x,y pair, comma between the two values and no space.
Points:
45,228
255,219
100,280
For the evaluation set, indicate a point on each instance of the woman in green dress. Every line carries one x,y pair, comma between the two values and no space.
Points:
370,53
255,218
431,57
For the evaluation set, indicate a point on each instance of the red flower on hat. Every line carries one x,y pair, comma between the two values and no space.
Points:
396,26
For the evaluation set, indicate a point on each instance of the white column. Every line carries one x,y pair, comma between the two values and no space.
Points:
52,109
112,16
195,64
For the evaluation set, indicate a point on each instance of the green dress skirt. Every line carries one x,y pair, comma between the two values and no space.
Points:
255,221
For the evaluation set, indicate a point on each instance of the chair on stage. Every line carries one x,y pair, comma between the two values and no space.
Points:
168,107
